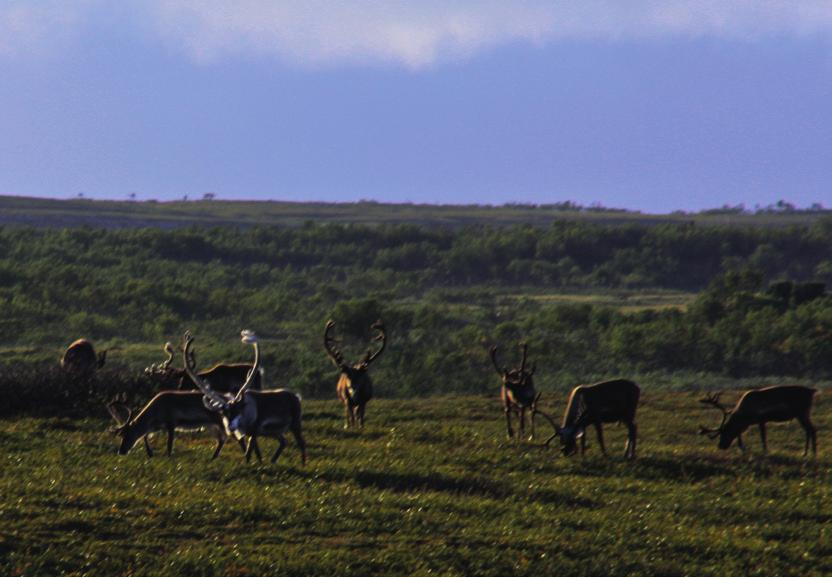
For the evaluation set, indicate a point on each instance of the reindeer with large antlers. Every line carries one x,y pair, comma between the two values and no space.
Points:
613,401
250,413
758,407
169,411
517,393
223,378
355,388
80,358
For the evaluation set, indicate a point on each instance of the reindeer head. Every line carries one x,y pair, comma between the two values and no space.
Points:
238,415
123,415
726,431
569,437
356,373
517,382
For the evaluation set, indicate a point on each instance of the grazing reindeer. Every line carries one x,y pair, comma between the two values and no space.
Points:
223,378
757,407
251,413
80,358
355,388
169,411
518,392
605,402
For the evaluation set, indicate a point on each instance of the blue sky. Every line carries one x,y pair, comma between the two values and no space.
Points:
644,104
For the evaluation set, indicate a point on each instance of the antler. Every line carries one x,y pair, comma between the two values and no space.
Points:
212,400
329,344
117,409
250,338
500,370
170,351
163,367
713,400
525,348
370,356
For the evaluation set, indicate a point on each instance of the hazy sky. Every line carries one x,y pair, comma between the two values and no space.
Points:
649,104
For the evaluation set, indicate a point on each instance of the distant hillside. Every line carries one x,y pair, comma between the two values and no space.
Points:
127,214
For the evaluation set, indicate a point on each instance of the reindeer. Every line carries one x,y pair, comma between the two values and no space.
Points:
355,388
224,378
757,407
80,359
605,402
517,393
251,413
169,411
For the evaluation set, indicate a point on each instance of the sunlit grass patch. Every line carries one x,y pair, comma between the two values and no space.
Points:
429,487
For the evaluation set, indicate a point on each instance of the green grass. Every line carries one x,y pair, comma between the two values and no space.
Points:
430,487
622,300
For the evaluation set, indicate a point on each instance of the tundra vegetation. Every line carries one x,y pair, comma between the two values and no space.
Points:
430,485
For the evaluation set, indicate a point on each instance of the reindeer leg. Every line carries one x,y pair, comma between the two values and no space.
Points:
150,451
348,417
599,429
359,411
298,434
249,448
740,443
522,423
509,430
811,435
220,442
253,443
763,437
170,440
533,414
282,440
583,443
632,431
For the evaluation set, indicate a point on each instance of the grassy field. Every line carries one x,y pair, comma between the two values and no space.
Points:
430,487
124,214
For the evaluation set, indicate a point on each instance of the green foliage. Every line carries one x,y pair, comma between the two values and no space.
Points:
445,296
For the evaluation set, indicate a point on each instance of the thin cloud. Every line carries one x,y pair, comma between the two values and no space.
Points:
28,27
413,33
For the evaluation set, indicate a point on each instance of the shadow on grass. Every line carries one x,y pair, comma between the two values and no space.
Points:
681,468
473,486
412,482
551,496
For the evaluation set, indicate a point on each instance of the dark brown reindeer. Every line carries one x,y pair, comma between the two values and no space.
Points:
169,411
355,388
251,413
80,359
613,401
758,407
517,393
223,377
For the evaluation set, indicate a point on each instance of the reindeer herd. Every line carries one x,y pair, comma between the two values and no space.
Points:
229,400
